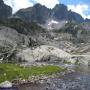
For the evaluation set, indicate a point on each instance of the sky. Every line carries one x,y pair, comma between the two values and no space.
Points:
80,6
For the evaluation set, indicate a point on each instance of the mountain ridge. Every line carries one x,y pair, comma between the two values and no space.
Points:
5,10
40,14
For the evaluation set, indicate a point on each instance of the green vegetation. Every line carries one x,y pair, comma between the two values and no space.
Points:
12,71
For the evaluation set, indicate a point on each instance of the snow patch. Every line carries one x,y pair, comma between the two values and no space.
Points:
53,22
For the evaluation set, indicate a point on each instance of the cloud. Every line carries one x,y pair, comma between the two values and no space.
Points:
82,9
48,3
18,4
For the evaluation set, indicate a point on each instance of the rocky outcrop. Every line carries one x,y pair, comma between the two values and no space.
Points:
72,16
41,14
37,13
5,10
42,52
60,12
11,36
10,40
87,20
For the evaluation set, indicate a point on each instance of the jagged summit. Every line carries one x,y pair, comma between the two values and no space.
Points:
40,14
1,1
5,10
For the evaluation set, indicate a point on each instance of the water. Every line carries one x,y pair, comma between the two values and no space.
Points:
74,81
12,88
79,80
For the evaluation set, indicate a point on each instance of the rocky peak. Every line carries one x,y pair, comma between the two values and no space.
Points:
1,1
60,12
87,20
5,10
40,14
73,16
38,5
60,6
37,13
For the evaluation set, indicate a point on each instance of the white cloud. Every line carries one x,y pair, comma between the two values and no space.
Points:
81,9
48,3
18,4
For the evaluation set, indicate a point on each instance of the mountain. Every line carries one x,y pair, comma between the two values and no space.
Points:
37,13
41,14
72,16
60,12
5,10
23,38
87,20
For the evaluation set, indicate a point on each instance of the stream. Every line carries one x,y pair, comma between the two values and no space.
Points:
78,80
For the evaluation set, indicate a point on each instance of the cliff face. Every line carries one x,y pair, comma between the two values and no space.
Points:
41,14
5,10
60,12
37,13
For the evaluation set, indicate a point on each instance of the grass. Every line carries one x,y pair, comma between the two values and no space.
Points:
12,71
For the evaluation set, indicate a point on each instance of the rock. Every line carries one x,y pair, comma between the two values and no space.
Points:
37,13
40,14
12,37
10,40
42,52
5,10
6,84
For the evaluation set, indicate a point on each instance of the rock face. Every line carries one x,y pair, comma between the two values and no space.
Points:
10,40
87,20
41,14
72,16
60,12
37,13
5,10
42,52
11,36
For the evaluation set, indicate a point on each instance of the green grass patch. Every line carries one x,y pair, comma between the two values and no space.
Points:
12,71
